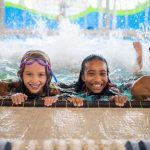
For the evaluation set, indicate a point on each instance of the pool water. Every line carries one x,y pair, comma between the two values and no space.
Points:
68,48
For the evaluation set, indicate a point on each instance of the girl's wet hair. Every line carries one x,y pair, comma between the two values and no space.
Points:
80,82
35,54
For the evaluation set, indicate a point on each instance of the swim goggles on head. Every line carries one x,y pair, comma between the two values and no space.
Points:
31,60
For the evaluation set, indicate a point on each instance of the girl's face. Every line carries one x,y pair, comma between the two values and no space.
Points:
34,77
95,75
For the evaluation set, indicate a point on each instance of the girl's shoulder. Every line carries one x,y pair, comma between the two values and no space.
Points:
7,86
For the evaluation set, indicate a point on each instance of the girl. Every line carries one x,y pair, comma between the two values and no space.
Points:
94,80
34,78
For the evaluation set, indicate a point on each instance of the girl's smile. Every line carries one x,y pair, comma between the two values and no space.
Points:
34,77
95,75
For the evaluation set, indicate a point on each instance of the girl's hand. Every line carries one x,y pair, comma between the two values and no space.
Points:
49,100
120,100
77,101
18,98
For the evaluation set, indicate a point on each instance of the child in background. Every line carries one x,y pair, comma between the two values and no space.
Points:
94,80
35,75
139,56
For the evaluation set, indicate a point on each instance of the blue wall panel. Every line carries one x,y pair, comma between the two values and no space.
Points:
17,18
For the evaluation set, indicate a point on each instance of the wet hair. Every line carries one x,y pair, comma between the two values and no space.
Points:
35,54
80,83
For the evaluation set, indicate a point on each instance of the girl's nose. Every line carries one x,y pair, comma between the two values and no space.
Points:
98,78
35,78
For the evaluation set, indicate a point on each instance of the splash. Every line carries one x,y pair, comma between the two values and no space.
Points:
69,45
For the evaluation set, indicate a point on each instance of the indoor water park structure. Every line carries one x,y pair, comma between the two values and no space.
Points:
94,14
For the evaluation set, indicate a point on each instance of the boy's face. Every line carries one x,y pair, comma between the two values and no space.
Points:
95,75
34,77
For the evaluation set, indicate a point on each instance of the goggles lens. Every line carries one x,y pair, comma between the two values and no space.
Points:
30,60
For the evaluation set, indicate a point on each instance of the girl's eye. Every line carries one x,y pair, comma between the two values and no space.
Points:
103,74
42,74
28,74
91,73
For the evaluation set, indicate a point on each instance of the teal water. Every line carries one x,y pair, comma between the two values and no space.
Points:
122,78
68,48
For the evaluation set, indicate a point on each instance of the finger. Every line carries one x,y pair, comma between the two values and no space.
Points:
25,97
15,100
75,101
116,100
20,98
51,101
124,100
79,102
47,101
55,99
121,101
